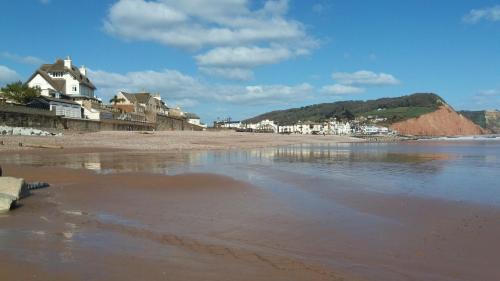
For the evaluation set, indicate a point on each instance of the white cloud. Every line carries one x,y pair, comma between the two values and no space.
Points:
477,15
231,73
267,94
197,23
243,56
230,32
184,89
171,82
365,78
339,89
21,59
8,75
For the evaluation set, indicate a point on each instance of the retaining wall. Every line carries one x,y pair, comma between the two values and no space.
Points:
20,116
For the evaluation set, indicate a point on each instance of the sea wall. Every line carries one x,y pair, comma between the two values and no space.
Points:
168,123
20,116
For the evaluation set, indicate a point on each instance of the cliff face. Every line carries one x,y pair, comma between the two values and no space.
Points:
442,122
493,121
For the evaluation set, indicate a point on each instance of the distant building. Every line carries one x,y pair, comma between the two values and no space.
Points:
266,126
374,130
63,77
228,124
176,112
194,119
141,104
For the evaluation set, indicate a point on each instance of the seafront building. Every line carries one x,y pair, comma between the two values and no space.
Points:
63,77
330,127
142,106
61,85
317,128
66,92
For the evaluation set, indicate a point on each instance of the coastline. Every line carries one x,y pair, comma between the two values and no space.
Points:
168,140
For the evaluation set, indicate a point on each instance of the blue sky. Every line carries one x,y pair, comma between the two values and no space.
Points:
239,58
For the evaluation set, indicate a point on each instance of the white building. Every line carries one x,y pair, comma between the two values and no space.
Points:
194,119
325,128
63,77
230,124
263,126
374,130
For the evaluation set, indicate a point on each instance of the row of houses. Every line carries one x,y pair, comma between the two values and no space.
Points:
331,127
67,90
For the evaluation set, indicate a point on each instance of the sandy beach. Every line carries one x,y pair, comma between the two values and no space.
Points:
115,212
169,140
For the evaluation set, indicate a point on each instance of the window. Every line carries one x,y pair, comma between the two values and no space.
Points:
75,88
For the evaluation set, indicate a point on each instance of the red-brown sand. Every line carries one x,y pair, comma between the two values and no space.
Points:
140,226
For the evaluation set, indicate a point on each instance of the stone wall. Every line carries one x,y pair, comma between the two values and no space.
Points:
168,123
20,116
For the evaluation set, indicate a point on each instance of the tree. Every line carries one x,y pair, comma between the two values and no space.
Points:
20,92
116,100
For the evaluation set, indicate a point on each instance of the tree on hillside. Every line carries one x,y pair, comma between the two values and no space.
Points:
20,92
116,100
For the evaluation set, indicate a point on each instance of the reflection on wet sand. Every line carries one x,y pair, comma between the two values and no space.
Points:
339,212
161,162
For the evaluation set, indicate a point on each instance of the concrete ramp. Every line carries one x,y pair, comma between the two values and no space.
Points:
11,190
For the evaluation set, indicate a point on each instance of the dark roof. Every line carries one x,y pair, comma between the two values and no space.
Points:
60,84
143,97
49,99
129,96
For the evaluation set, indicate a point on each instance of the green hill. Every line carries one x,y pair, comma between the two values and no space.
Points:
394,109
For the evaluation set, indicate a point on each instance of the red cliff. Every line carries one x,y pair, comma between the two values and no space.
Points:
442,122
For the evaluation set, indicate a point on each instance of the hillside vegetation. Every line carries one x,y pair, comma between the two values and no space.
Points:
394,109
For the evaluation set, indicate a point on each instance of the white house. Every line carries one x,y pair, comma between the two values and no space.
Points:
194,119
263,126
373,130
63,77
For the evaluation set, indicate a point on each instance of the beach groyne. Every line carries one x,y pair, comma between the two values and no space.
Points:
20,116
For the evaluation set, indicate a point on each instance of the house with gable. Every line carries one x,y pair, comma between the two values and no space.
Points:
62,82
142,103
65,78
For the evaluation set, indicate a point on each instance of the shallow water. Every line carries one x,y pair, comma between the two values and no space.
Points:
456,170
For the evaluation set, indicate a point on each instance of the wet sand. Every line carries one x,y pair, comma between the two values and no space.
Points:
144,227
139,226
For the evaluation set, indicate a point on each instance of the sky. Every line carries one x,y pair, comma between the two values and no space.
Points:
240,58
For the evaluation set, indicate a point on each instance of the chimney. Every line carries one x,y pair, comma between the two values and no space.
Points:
83,70
67,62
